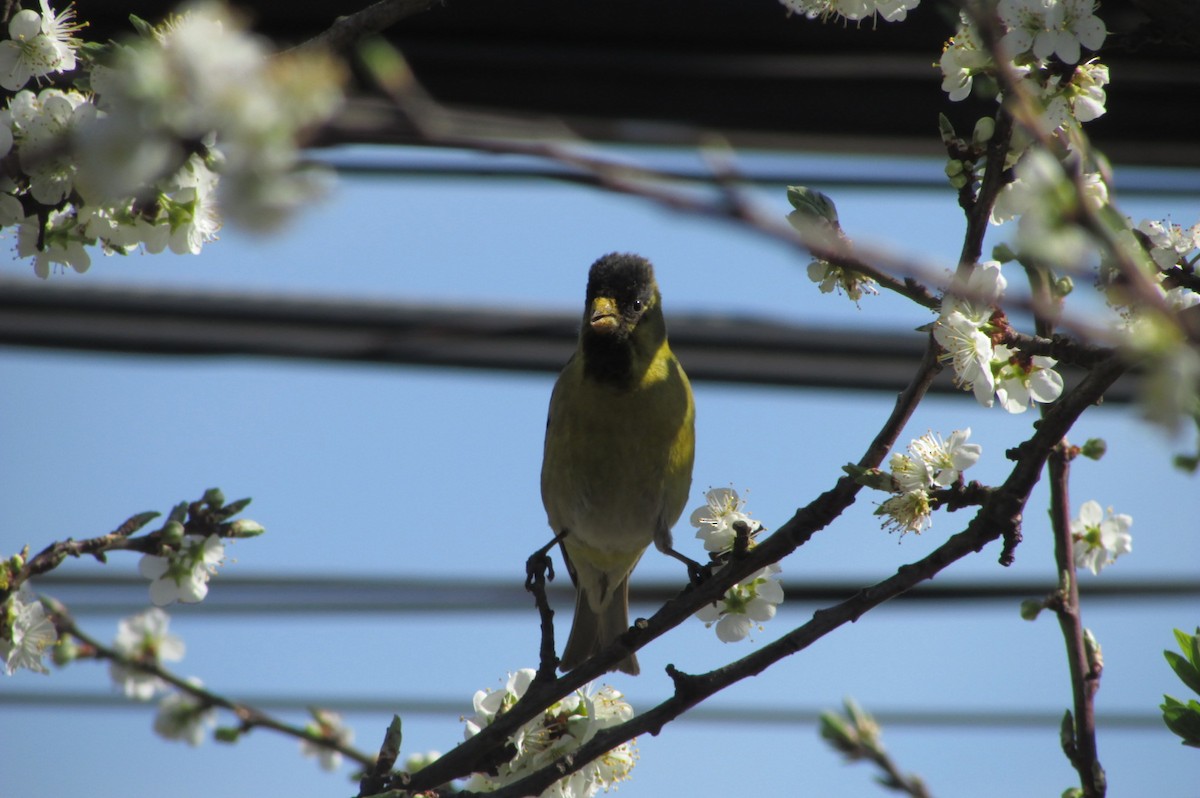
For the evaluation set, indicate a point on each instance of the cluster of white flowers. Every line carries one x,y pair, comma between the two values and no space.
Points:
1166,254
26,632
1046,28
1040,36
834,278
1043,41
749,603
144,638
329,726
754,600
182,716
991,371
562,728
134,162
962,60
38,44
853,10
1099,539
1169,244
715,520
182,574
932,462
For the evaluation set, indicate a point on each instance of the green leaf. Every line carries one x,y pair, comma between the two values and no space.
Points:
227,734
870,477
1182,719
140,25
390,750
136,522
1188,463
233,508
1184,670
1187,666
946,129
179,512
1066,734
812,204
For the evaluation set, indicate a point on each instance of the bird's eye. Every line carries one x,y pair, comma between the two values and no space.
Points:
638,304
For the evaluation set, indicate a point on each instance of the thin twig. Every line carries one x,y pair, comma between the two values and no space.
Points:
248,716
1080,747
375,18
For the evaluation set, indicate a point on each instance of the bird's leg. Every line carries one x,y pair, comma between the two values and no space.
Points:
539,568
697,573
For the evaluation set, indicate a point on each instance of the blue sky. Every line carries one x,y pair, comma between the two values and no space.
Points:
428,473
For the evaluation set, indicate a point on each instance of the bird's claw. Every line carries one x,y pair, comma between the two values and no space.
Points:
697,573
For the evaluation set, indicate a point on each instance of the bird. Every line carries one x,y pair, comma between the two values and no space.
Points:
619,449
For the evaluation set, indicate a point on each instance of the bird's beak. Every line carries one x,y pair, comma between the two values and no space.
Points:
604,318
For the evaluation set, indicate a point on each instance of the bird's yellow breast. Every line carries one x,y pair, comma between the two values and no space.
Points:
618,458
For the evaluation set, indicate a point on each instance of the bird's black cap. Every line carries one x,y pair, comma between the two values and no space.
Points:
620,275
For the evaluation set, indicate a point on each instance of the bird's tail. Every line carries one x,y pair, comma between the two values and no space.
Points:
594,629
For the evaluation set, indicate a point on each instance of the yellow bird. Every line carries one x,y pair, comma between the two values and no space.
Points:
620,440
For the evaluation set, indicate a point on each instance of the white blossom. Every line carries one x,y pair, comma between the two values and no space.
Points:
909,473
1050,27
329,726
832,278
714,521
853,10
970,352
182,716
183,575
976,298
38,45
144,639
1169,242
42,123
26,632
559,730
1069,100
202,74
906,512
945,460
1023,380
747,604
962,59
60,240
1100,539
1048,203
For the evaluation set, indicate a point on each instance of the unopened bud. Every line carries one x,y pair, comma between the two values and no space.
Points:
245,528
1003,253
984,129
1031,609
172,534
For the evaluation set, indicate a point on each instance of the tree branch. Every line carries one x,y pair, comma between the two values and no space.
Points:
207,516
460,761
1002,510
248,716
1080,746
375,18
